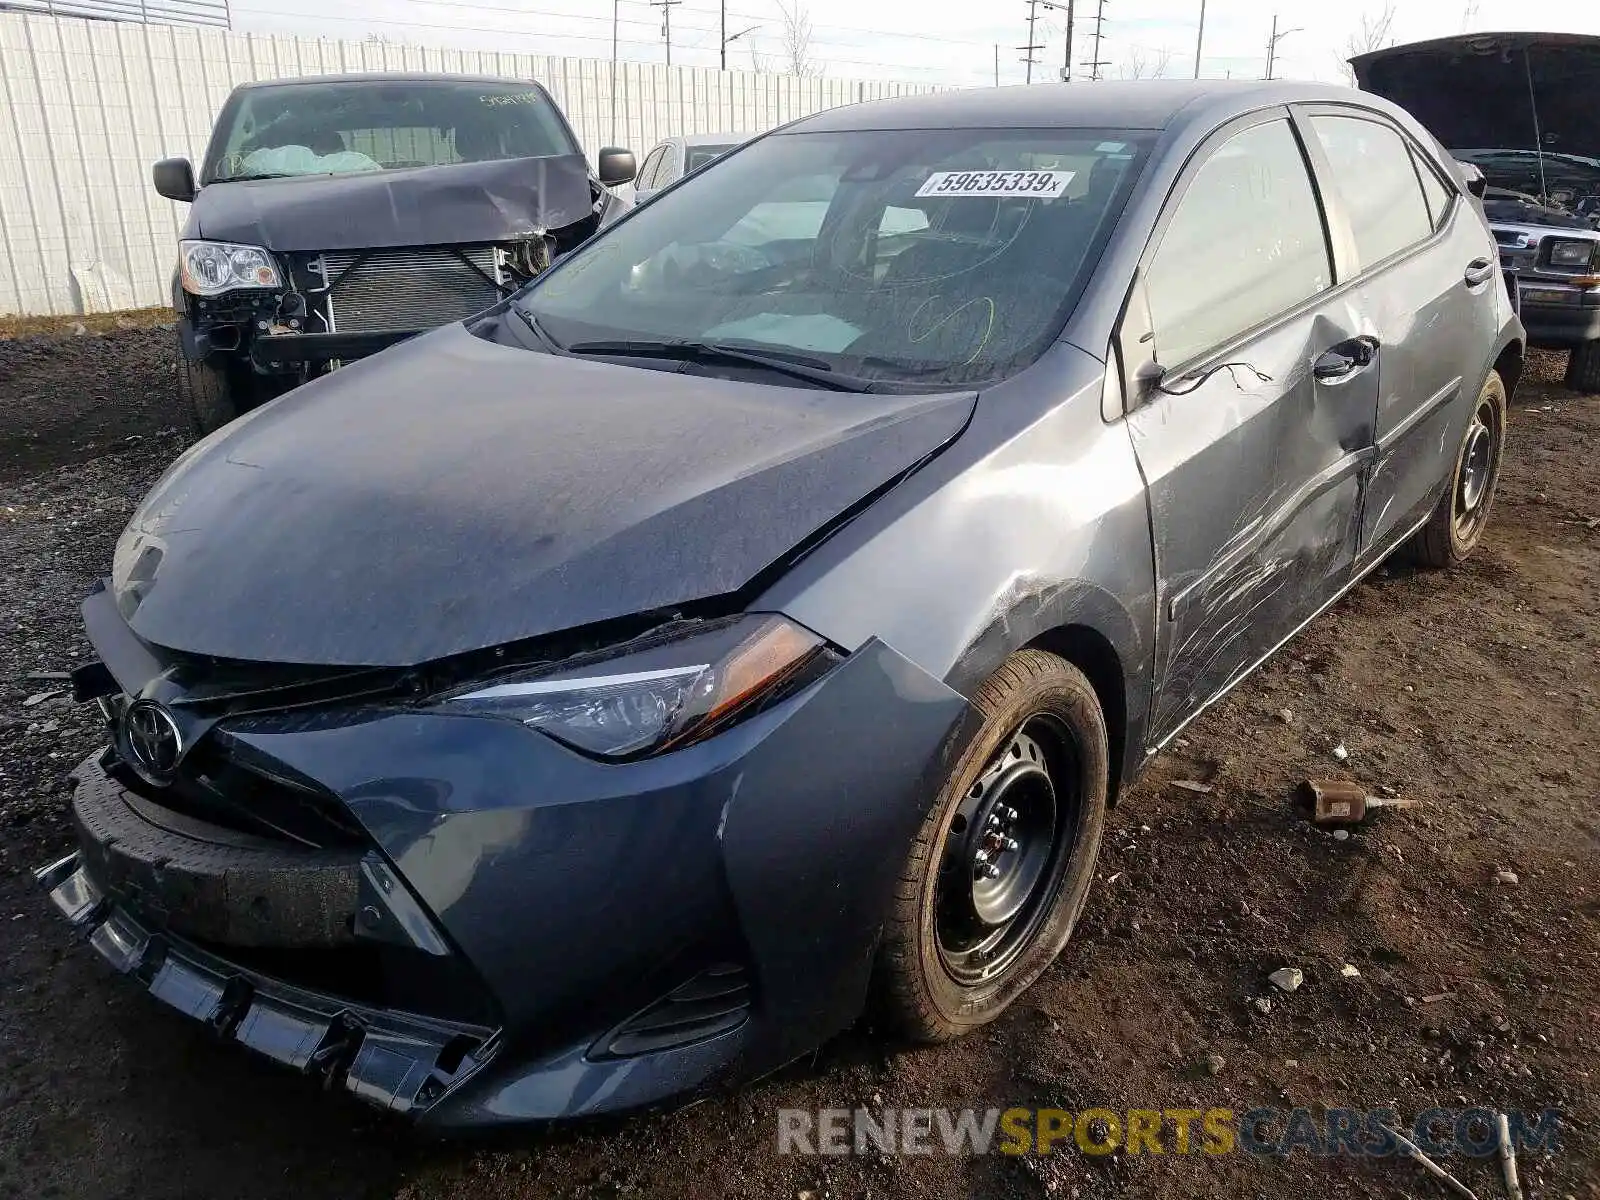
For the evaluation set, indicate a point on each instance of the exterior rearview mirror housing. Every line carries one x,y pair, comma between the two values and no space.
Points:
174,179
615,166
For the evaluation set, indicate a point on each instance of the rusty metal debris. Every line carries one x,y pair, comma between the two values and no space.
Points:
1341,802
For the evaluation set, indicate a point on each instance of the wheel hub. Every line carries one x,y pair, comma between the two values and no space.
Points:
1002,843
1477,456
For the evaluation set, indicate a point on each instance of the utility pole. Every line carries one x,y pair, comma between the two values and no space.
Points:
1199,38
997,64
616,5
1066,63
1028,50
1272,43
666,7
1097,62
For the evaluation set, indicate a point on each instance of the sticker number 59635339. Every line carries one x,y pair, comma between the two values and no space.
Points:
1043,184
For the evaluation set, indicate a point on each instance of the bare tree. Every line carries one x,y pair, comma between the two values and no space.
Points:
796,35
1372,34
1142,64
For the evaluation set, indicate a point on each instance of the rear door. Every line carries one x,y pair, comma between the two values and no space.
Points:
1427,275
1253,445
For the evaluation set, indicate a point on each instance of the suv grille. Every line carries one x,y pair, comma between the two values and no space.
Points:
413,288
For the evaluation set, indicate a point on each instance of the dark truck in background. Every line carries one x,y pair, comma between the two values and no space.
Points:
1524,109
337,215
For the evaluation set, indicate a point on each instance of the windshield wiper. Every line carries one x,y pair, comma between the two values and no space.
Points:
796,366
539,331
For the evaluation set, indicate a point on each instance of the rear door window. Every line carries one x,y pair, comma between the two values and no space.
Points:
1245,244
1374,176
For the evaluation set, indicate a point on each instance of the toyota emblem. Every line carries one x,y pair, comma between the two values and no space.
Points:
153,740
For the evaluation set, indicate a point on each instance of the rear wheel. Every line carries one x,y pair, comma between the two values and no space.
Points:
1583,369
1457,524
1003,862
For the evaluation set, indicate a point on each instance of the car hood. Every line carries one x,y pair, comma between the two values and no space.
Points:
452,494
1473,91
421,206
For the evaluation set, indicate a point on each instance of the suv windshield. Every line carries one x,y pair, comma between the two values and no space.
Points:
941,256
340,128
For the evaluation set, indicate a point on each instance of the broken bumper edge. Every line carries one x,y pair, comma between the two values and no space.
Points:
399,1062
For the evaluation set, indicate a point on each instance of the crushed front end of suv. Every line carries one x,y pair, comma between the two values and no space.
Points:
337,215
1521,108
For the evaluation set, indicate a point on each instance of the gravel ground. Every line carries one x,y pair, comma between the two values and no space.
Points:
1474,693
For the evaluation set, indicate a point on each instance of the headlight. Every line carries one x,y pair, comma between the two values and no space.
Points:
213,267
1565,252
656,694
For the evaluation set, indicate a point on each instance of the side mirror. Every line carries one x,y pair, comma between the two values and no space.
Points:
174,179
1473,177
615,166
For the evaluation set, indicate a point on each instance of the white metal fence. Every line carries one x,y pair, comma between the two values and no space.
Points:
87,106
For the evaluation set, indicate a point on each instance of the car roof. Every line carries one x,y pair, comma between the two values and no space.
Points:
387,77
1111,104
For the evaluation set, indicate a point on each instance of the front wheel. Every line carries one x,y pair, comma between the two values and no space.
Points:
1457,524
1002,865
1583,369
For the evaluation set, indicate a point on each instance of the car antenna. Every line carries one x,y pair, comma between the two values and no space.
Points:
1538,137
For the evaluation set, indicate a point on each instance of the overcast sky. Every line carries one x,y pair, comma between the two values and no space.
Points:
932,41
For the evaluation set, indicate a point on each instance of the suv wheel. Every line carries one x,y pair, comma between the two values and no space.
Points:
1583,369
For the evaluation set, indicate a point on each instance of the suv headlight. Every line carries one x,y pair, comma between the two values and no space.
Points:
1571,253
657,693
210,268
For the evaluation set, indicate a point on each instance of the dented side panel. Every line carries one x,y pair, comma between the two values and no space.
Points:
1255,501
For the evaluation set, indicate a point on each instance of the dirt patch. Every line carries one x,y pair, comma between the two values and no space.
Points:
1475,693
71,399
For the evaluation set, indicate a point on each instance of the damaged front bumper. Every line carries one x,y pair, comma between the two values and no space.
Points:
397,1061
559,937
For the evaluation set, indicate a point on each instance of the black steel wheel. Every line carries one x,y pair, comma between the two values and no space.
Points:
1457,524
1002,864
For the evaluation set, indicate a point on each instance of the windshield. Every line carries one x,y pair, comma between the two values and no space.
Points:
947,256
341,128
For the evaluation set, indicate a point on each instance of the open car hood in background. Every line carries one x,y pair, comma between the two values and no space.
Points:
454,205
1473,91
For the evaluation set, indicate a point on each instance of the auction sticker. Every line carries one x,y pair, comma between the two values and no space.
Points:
1045,185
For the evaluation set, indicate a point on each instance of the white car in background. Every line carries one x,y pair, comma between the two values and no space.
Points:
673,158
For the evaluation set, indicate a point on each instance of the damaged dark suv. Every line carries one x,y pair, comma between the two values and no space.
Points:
1521,108
337,215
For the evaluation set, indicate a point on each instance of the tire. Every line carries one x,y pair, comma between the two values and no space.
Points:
929,984
1583,369
209,389
1457,524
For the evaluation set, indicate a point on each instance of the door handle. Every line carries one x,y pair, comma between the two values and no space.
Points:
1479,271
1346,358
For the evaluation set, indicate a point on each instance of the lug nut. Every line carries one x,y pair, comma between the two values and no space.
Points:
1010,843
991,871
1011,814
981,857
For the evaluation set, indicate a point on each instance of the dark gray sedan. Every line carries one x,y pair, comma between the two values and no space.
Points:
603,698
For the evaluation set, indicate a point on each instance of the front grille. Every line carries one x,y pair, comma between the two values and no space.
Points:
412,288
713,1002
